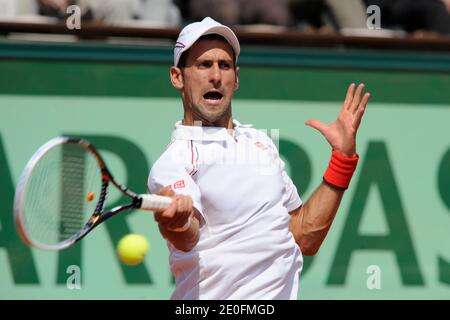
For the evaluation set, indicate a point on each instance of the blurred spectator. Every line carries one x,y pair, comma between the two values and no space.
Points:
347,14
415,16
162,13
447,5
242,12
314,16
309,12
419,17
101,11
54,8
10,9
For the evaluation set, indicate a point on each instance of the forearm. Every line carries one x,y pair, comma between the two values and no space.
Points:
186,240
311,222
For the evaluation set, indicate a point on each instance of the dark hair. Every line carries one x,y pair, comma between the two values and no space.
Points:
212,36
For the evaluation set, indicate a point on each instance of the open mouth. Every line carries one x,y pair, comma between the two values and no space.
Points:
213,96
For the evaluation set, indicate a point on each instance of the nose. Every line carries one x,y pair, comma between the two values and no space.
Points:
215,75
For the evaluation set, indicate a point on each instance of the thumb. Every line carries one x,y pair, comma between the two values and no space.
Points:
166,191
316,124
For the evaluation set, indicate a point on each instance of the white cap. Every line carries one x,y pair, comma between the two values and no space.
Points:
192,32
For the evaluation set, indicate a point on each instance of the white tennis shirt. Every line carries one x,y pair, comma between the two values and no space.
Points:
238,184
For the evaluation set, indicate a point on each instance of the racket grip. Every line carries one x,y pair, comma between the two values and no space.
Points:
154,202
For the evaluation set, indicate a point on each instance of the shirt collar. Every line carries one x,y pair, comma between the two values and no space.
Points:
198,133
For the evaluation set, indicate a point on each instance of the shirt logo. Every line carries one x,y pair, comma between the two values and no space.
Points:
261,145
179,184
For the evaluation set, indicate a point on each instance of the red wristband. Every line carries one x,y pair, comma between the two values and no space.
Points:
340,170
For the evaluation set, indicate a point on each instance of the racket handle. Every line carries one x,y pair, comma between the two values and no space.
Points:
154,202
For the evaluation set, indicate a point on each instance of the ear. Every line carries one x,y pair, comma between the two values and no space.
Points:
176,77
236,80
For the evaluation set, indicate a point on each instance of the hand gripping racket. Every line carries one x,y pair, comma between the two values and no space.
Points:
62,192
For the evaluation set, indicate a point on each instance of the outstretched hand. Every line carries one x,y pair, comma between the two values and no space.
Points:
341,134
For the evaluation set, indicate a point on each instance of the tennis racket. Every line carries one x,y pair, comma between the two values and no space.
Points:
62,193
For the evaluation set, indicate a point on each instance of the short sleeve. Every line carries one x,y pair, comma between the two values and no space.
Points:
167,172
291,198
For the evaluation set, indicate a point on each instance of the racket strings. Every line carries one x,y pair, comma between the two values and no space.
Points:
72,191
39,189
56,205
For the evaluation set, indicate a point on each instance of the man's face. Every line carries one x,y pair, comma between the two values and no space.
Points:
209,81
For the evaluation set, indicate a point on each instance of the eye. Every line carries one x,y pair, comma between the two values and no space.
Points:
205,64
225,65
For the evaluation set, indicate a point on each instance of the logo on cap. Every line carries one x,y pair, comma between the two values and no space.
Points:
180,45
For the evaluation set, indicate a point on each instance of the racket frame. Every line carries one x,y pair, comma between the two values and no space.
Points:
97,217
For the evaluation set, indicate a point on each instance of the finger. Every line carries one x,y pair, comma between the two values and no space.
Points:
316,124
349,97
184,210
357,98
169,213
361,111
182,204
179,221
191,205
188,204
187,208
183,213
358,118
365,100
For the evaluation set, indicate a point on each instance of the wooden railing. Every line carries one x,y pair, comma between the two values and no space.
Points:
285,38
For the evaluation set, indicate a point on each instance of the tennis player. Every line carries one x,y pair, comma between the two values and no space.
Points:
238,228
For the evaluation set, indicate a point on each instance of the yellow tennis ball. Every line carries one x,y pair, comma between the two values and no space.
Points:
132,249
